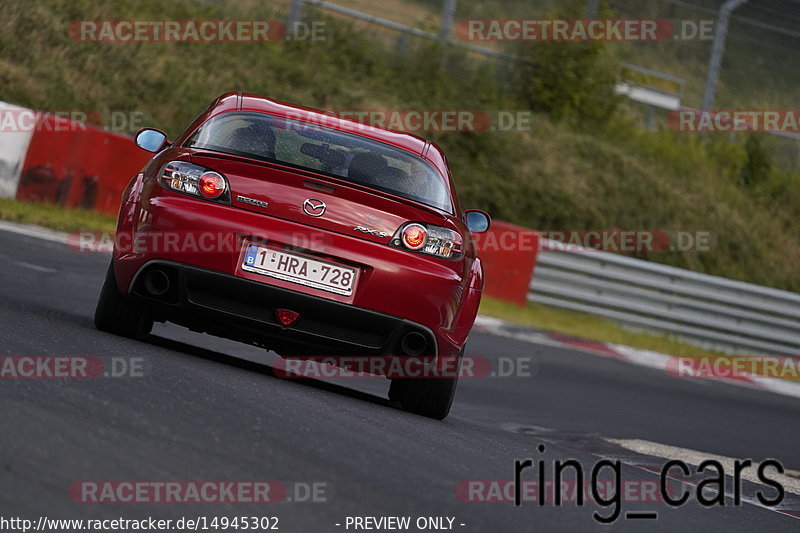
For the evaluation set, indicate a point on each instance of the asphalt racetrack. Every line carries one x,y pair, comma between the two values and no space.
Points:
202,408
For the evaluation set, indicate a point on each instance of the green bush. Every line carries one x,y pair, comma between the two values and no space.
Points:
758,166
571,81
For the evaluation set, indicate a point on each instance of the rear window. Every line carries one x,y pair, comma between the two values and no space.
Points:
343,155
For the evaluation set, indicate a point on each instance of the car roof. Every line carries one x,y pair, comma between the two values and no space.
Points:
238,101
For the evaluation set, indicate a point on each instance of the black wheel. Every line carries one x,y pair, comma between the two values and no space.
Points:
117,313
430,397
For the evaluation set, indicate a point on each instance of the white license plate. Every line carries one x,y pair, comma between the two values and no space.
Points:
299,269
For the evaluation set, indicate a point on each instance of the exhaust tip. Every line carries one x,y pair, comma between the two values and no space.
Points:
156,282
414,343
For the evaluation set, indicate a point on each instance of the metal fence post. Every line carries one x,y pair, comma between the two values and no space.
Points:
294,18
591,9
448,13
717,51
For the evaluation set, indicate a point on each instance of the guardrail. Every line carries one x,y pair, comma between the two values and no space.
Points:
443,35
710,311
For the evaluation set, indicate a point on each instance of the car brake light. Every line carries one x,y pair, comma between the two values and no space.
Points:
195,180
430,240
414,236
211,185
287,316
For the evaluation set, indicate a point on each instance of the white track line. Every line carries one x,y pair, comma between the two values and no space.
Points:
34,231
694,457
628,354
790,483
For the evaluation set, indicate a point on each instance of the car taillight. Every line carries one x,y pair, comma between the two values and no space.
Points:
211,185
414,236
195,180
429,240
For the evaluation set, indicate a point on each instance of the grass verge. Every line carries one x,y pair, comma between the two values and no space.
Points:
55,217
594,328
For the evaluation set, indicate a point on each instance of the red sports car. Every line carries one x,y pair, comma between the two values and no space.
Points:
301,232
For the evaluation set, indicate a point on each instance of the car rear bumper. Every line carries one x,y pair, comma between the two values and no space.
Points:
441,295
241,309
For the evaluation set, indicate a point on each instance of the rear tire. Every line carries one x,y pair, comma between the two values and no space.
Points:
117,313
431,398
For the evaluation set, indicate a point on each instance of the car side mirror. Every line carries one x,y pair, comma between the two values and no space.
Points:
151,139
477,221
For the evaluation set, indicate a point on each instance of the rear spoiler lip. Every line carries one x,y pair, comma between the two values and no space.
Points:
204,152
